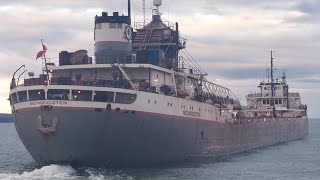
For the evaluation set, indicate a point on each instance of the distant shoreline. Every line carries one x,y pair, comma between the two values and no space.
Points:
5,118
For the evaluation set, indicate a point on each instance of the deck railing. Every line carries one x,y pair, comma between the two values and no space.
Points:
276,96
254,95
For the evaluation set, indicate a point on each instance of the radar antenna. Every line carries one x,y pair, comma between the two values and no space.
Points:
157,4
284,77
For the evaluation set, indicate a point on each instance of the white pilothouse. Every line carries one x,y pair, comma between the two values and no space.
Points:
274,100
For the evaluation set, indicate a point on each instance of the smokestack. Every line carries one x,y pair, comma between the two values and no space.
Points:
177,33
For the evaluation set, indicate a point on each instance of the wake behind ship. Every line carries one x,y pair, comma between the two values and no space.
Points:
143,100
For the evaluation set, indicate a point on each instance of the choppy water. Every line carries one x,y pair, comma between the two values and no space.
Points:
288,161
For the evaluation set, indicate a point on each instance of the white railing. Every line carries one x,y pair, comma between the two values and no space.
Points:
254,95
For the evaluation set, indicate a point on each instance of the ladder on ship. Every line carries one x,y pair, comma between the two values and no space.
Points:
252,103
217,89
146,38
174,83
292,103
296,114
126,75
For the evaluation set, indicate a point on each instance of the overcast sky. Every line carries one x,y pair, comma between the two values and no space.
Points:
230,39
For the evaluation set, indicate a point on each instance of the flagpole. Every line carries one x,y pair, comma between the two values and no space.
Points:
45,63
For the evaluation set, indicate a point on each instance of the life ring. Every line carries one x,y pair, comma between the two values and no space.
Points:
128,33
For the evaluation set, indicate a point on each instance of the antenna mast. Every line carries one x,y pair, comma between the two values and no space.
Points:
129,11
272,88
272,80
144,12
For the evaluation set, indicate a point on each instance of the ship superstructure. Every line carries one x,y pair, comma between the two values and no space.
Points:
274,99
140,100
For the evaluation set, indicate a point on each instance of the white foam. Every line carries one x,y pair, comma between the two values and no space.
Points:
96,175
55,172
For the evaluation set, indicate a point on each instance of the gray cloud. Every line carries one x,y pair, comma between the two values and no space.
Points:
309,6
315,81
310,10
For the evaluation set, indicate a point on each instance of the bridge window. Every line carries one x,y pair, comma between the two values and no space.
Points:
58,94
81,95
35,95
22,96
103,96
125,98
13,98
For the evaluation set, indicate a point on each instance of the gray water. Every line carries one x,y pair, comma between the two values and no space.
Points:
287,161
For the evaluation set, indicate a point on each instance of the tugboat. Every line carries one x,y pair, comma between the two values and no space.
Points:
142,100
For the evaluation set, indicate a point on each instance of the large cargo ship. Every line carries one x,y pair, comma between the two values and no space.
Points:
142,100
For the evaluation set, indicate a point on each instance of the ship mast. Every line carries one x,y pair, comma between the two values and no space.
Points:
272,80
129,11
272,87
144,12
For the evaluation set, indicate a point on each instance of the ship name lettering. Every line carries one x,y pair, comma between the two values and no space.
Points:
40,103
191,113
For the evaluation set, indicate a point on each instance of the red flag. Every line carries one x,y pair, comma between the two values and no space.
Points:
43,52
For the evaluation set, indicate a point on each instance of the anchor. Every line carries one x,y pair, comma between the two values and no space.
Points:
45,127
